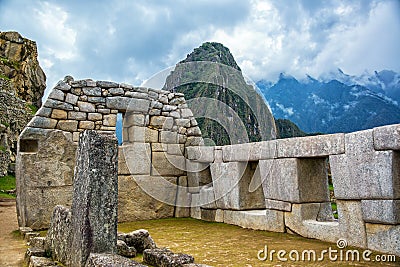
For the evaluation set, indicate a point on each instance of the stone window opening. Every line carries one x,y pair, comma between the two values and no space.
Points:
28,146
119,127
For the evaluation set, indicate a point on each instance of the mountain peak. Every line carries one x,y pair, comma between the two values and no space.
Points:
214,52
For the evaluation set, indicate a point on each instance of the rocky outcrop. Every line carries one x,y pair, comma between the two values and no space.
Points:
22,83
19,68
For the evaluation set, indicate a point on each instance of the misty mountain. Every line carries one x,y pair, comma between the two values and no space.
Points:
335,102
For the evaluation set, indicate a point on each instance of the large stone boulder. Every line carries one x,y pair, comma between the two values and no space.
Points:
139,239
162,257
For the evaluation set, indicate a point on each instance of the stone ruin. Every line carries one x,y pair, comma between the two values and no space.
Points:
86,234
165,171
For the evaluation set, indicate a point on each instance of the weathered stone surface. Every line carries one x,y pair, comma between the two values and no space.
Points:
162,257
124,250
32,252
71,99
89,125
311,146
92,91
381,211
139,239
198,174
136,134
195,210
95,197
237,186
132,119
76,115
47,178
108,260
256,219
57,95
116,91
37,242
352,226
168,137
59,114
51,103
250,151
387,137
95,116
137,105
207,197
44,112
201,153
167,165
67,125
278,205
107,84
86,107
36,261
154,197
58,239
42,122
385,238
302,220
363,173
183,198
137,157
295,180
110,120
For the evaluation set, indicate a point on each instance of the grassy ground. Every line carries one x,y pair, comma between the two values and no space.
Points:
7,183
223,245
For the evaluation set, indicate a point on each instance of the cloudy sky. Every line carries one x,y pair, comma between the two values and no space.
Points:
129,41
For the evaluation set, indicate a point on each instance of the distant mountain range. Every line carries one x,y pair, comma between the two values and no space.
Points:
335,102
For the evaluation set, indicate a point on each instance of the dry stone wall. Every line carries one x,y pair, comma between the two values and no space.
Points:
292,177
157,126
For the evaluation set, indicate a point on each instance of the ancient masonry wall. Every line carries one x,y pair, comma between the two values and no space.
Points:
157,125
291,176
278,185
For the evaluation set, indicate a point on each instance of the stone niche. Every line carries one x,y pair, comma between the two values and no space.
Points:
157,126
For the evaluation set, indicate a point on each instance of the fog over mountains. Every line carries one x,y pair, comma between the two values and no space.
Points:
336,102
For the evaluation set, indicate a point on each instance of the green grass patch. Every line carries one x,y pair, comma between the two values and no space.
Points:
2,148
4,77
7,183
33,108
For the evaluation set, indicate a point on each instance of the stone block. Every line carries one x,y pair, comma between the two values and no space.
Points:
110,120
201,153
255,219
92,91
86,107
384,238
136,134
59,114
106,84
158,147
192,141
168,137
132,119
195,210
138,105
51,103
218,156
89,125
117,102
36,261
237,186
165,257
76,115
38,242
208,214
95,197
138,239
161,122
44,112
183,199
106,259
302,220
363,172
352,226
207,197
57,94
381,211
175,149
42,122
124,250
71,99
167,165
250,151
387,137
278,205
58,238
295,180
186,113
137,157
96,99
95,116
182,122
67,125
198,175
116,91
145,197
311,146
150,135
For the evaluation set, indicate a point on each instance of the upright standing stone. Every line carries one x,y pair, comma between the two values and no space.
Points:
95,197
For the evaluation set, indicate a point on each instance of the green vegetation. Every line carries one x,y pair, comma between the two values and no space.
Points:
2,148
11,64
4,77
33,108
224,245
7,183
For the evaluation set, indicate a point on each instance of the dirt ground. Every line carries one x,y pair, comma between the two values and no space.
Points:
12,248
